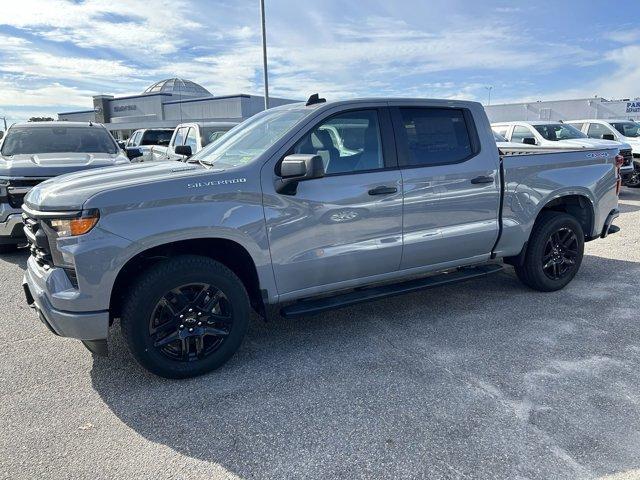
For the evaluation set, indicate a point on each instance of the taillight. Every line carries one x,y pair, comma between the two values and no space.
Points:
619,163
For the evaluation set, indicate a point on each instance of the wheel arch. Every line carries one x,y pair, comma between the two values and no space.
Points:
230,253
577,204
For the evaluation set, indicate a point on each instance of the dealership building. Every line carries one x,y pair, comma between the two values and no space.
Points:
583,108
166,104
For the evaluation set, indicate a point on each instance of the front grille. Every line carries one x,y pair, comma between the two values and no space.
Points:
38,242
628,156
19,187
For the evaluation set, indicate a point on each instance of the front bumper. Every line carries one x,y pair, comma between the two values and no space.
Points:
11,229
39,284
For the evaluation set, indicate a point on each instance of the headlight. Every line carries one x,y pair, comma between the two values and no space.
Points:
72,227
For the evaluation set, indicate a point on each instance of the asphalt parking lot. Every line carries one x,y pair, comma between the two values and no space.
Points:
485,379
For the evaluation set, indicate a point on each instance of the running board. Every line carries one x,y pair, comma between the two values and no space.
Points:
314,306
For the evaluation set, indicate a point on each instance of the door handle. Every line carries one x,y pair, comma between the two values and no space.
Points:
482,179
382,190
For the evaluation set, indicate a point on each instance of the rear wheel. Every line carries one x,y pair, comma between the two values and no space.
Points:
554,252
185,316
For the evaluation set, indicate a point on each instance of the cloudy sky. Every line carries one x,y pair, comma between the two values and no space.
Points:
55,54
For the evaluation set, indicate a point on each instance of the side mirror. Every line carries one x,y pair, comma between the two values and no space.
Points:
183,150
121,144
133,152
529,141
298,168
608,136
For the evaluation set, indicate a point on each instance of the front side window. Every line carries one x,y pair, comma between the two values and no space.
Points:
597,130
348,142
628,129
520,133
179,138
555,132
58,139
192,140
434,136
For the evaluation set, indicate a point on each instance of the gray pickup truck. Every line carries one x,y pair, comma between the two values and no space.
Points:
307,207
33,152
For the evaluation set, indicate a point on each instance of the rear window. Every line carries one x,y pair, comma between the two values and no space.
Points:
156,137
58,139
555,132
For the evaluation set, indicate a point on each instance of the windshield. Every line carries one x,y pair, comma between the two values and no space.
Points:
628,129
156,137
498,138
559,131
39,140
248,140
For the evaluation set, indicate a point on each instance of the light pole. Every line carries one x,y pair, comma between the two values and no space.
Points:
489,88
4,119
264,57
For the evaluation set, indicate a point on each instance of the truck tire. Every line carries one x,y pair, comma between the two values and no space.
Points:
185,316
554,252
634,179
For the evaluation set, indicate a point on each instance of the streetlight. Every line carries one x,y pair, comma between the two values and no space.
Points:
489,88
4,119
264,57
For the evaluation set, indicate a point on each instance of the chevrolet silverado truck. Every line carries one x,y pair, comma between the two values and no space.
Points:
190,138
33,152
276,215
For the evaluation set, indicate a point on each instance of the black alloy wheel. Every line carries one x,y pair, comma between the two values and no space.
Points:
191,322
560,254
185,316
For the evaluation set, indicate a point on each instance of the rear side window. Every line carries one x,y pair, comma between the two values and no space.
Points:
58,139
436,136
502,131
156,137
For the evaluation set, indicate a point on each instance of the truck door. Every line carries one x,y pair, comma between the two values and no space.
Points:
451,186
348,224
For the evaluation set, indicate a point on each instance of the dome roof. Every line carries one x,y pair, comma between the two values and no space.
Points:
179,86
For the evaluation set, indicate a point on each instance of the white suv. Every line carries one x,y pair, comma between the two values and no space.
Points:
560,135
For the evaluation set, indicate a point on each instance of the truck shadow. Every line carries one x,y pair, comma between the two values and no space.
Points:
19,257
628,197
484,378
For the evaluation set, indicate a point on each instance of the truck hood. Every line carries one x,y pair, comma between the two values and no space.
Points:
53,164
71,191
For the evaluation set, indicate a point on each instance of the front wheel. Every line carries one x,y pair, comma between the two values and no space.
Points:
554,252
185,316
634,179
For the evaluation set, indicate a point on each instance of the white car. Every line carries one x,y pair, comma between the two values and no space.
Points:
626,131
194,135
559,135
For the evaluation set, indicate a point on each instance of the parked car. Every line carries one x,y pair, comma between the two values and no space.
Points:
559,135
275,214
33,152
626,131
194,135
144,139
